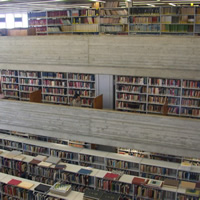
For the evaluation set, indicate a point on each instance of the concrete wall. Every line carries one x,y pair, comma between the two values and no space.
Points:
158,56
168,135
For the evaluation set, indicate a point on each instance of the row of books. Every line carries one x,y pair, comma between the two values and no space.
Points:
9,73
9,79
10,86
112,28
11,93
54,91
121,164
158,170
54,29
35,22
190,102
116,20
145,28
83,93
8,143
164,82
114,187
86,20
28,88
177,19
30,81
164,91
84,12
128,106
16,165
177,28
58,75
81,85
25,96
60,13
147,20
85,28
190,93
36,149
59,21
55,99
130,88
145,11
108,12
64,155
131,97
57,83
111,4
130,79
29,74
191,84
36,14
84,77
190,112
188,176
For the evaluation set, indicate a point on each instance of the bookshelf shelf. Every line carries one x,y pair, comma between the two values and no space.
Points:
160,20
153,94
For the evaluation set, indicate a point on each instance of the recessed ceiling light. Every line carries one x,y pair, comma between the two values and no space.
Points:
171,4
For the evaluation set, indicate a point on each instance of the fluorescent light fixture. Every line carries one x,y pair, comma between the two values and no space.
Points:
172,4
151,5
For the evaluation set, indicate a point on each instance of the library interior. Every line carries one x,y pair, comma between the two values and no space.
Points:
99,100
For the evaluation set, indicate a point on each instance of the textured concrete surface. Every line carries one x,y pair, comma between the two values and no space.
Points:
169,135
157,56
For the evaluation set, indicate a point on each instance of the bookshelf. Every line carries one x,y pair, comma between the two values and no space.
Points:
82,178
13,187
126,164
10,84
149,95
29,81
114,18
57,87
54,87
118,18
83,84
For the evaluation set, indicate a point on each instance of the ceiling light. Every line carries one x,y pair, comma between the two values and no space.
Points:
172,4
151,5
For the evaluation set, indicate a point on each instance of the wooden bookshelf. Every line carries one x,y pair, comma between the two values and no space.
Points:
148,95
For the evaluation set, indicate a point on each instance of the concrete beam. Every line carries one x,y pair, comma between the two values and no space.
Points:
168,135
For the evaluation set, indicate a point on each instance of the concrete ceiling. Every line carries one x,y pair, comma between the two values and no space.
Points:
43,5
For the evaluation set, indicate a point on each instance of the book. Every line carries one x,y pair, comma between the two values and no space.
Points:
53,160
44,164
84,171
14,182
155,183
34,162
193,192
187,185
41,158
109,196
186,166
92,194
61,189
171,183
111,176
60,166
25,185
139,181
42,188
